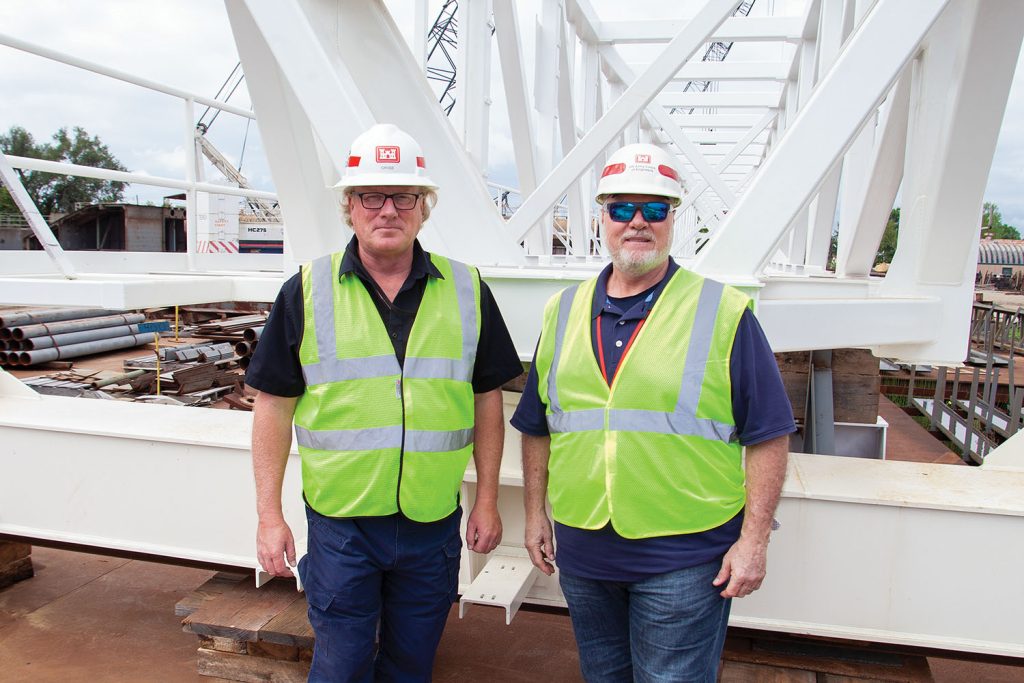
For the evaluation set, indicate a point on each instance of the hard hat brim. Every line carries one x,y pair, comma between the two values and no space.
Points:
402,180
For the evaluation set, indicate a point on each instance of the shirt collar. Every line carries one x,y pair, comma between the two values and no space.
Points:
421,263
601,290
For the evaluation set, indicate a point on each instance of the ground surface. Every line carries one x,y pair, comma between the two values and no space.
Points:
99,619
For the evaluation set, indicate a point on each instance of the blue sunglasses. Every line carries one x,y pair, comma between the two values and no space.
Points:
623,212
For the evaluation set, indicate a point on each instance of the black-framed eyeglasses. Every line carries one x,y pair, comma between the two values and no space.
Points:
623,212
375,200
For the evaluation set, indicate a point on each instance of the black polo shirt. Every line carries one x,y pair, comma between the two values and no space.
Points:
275,367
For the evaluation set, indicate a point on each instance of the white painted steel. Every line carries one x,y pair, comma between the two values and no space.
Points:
120,75
28,208
636,97
184,490
846,96
62,168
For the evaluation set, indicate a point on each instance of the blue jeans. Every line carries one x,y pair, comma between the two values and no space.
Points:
379,591
669,627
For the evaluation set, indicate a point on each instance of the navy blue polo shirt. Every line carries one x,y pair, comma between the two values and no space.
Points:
761,411
275,367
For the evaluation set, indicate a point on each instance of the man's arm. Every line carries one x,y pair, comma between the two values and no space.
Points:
539,543
271,443
483,530
744,565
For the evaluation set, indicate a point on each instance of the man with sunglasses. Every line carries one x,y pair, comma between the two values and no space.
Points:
389,361
647,383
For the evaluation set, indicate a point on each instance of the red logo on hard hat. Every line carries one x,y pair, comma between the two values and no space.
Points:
668,171
642,159
388,154
613,169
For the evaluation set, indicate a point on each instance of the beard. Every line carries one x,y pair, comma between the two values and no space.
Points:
639,261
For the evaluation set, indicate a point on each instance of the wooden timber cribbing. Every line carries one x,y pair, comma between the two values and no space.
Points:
855,383
262,634
782,658
15,562
248,633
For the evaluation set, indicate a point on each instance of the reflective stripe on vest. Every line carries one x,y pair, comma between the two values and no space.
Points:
683,420
654,453
406,431
330,368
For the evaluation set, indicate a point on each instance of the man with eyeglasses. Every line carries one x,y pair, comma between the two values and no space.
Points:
647,383
389,360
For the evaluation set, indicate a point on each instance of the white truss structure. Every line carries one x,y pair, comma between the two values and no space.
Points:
822,114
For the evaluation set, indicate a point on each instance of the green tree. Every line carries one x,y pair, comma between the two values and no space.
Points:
54,193
887,246
992,223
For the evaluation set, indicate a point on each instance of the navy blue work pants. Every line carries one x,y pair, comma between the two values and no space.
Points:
379,591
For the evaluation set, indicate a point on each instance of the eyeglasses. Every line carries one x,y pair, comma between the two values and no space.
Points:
375,200
623,212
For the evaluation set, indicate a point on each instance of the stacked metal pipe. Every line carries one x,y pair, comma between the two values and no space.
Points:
39,336
244,349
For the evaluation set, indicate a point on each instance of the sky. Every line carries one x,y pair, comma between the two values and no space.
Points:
188,44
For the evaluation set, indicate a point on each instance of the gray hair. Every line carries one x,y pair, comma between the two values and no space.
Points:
428,200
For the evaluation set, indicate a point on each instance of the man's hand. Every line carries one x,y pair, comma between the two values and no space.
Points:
743,567
483,530
539,542
275,545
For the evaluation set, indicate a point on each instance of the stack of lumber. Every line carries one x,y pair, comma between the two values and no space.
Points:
784,658
15,562
855,383
247,633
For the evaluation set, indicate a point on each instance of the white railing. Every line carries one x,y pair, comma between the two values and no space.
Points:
189,183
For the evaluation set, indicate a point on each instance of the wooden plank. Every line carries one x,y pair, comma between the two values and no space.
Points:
290,627
847,663
242,610
214,587
741,672
13,550
235,667
18,570
285,653
239,647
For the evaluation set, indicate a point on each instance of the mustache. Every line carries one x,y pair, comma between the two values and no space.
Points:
641,234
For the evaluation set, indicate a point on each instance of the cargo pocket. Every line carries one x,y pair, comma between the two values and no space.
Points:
452,558
318,604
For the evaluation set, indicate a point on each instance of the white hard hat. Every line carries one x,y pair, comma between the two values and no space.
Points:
640,169
385,155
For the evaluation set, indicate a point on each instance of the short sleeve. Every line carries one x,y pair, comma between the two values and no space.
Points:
275,367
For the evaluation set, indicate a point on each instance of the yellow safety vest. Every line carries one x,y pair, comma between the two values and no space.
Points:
655,453
375,437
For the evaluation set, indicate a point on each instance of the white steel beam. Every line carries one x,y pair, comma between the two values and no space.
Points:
734,29
961,84
632,102
334,56
729,158
474,77
714,121
9,178
858,245
71,60
520,113
721,100
862,75
662,120
174,465
62,168
725,71
300,170
579,214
